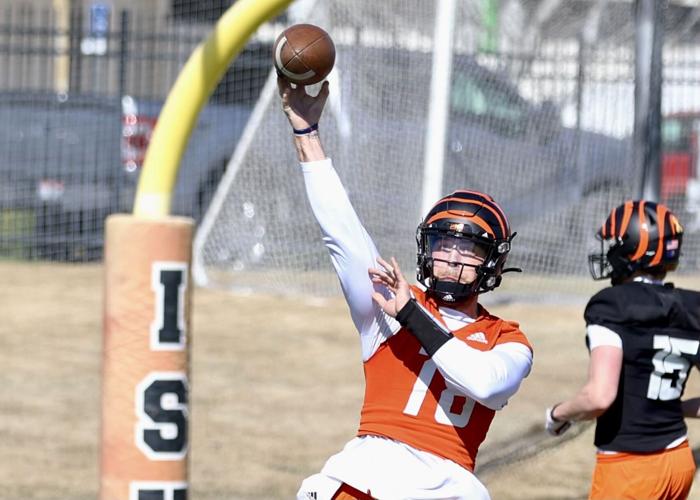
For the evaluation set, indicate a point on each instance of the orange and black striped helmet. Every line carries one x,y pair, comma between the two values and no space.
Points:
637,235
471,215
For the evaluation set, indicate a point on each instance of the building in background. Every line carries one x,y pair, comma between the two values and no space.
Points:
114,47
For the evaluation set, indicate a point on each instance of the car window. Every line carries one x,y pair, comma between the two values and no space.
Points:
479,98
675,135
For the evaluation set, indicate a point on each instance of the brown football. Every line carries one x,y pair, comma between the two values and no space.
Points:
304,54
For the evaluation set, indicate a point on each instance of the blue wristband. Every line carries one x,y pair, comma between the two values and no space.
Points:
305,131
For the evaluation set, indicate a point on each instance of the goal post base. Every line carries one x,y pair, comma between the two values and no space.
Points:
146,334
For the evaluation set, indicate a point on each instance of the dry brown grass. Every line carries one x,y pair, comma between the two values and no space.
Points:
276,388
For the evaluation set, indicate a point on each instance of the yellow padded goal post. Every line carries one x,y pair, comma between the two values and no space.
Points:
147,289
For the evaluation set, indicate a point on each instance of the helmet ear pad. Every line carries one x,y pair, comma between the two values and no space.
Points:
619,257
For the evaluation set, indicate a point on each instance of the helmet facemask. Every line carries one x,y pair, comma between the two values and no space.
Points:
469,251
609,262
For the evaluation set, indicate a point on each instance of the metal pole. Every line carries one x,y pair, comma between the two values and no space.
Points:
438,113
62,58
76,35
647,95
580,81
123,51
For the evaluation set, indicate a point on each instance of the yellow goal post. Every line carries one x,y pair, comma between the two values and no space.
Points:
147,288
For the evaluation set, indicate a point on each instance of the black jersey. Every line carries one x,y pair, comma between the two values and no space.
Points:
660,331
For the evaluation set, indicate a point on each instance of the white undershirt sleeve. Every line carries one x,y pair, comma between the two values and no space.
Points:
599,335
489,377
352,253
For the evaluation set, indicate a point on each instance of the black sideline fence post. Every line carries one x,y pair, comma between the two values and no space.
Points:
647,95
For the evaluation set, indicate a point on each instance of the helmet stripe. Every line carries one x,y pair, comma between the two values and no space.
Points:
608,229
661,214
676,227
643,233
484,225
671,224
491,207
467,215
481,195
626,216
613,221
489,202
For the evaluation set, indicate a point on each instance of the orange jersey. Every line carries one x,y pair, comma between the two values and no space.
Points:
407,399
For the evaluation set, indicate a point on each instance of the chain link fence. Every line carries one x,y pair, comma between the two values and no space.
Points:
79,99
542,110
541,116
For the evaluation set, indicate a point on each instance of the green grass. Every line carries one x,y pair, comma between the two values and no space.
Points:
16,228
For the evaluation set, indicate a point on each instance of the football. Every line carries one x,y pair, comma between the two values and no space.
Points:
304,54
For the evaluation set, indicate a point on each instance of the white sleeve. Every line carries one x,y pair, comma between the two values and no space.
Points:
599,335
352,253
489,377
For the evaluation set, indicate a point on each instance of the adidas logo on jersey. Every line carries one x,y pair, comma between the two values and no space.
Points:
478,337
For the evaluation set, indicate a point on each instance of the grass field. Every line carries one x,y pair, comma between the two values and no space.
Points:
276,388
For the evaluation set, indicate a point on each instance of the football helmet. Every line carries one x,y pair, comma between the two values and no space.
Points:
637,235
477,225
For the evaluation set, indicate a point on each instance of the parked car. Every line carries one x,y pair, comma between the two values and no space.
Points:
219,126
554,182
71,160
78,158
59,165
499,142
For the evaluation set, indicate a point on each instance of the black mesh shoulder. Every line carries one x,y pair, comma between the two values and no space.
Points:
687,312
605,307
645,304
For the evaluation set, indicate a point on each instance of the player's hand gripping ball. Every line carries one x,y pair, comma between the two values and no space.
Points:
304,54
